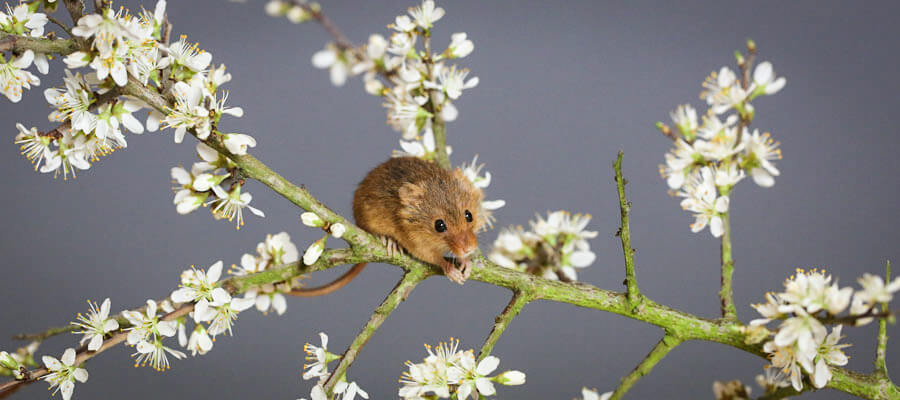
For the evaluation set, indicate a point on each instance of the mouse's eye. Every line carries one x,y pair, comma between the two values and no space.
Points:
468,216
440,226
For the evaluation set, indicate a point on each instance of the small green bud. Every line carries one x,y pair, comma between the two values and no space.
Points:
8,362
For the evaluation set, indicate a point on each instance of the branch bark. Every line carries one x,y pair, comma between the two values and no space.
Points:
659,351
624,233
726,293
398,295
881,348
518,301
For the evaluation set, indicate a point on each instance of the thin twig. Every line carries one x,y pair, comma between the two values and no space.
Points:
519,299
624,233
726,293
881,349
61,25
659,351
339,38
8,43
75,9
393,300
783,393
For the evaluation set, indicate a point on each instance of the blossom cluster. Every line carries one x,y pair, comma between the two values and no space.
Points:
709,158
206,179
318,358
802,342
553,248
23,20
448,370
214,312
93,117
274,251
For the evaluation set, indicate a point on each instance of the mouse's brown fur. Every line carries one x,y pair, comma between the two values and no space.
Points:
401,199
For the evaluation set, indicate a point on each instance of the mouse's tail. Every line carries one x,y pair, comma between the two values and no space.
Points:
330,287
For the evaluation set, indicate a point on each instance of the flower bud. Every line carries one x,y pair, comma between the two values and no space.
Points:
511,378
338,229
311,219
8,362
314,251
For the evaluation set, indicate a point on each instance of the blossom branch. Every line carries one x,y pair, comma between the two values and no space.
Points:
400,292
665,345
340,39
624,233
38,45
783,393
84,355
881,349
440,141
726,293
75,9
501,322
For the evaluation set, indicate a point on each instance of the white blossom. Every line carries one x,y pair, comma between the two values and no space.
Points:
34,146
426,14
221,312
153,353
73,103
765,81
335,61
230,205
760,151
460,46
723,91
588,394
874,289
63,373
95,325
452,81
701,198
13,76
186,57
199,342
348,391
679,163
685,118
317,358
237,143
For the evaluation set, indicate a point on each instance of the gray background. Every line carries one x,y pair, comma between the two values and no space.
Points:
563,87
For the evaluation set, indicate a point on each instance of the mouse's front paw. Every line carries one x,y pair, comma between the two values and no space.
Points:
453,273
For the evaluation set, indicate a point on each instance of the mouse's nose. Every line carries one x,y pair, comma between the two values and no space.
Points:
464,244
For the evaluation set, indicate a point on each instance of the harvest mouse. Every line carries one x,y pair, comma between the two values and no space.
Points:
417,206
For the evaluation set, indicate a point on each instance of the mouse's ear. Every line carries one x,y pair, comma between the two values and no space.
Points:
411,194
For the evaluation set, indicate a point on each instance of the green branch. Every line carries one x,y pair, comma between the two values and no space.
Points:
726,293
440,141
624,233
519,300
17,43
881,349
412,278
665,345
